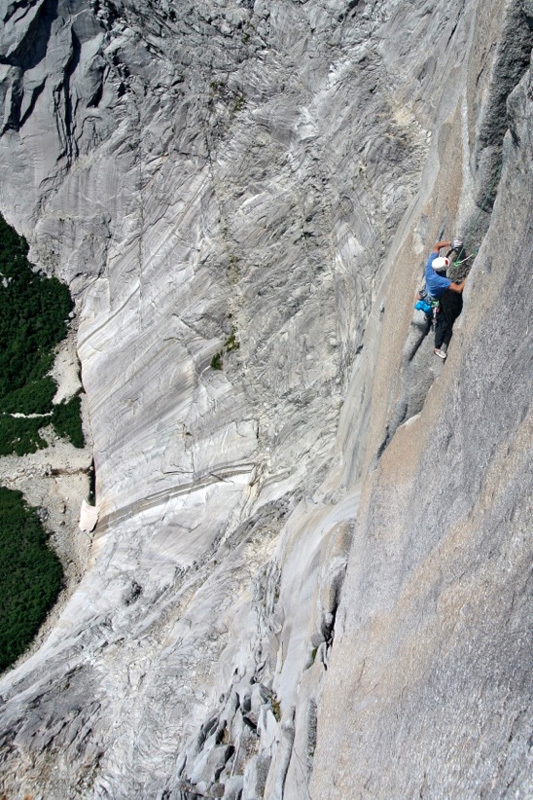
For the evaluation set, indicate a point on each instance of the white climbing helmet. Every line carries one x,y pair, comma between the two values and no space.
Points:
441,264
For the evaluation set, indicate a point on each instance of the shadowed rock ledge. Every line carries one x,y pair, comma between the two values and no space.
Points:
311,574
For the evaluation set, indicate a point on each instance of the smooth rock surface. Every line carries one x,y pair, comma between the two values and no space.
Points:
259,185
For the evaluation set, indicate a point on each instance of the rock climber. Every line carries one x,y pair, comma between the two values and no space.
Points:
448,293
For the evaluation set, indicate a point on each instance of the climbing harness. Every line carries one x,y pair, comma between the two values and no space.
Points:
428,304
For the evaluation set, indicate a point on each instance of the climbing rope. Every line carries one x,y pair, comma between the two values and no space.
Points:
458,263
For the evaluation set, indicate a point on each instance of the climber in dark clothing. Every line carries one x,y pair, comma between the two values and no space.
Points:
450,306
447,292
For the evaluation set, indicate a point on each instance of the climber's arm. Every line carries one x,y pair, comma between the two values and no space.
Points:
441,244
457,287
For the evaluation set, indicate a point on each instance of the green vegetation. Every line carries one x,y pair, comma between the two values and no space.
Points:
230,344
34,312
217,86
66,419
20,436
31,575
34,398
216,361
239,103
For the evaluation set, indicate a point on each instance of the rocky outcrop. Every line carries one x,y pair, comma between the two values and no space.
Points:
256,187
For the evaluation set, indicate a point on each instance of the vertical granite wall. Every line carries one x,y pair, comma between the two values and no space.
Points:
256,186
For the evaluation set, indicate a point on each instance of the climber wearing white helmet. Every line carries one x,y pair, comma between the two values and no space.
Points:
441,288
436,283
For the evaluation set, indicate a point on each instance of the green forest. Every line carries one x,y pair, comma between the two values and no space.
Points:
34,311
31,575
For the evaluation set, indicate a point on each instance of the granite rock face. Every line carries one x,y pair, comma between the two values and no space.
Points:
311,571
